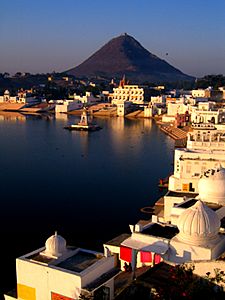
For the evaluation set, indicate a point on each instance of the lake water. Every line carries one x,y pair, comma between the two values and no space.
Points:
87,186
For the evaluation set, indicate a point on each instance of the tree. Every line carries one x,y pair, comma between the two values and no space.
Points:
214,81
186,285
18,74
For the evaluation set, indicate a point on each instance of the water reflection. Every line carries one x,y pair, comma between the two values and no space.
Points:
128,134
61,116
147,123
23,116
11,116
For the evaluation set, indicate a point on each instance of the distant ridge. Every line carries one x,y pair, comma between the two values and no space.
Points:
125,55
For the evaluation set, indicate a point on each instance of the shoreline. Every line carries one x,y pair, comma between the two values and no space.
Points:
177,134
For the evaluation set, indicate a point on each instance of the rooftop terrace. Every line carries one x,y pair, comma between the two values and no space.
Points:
181,194
79,261
159,230
191,202
118,240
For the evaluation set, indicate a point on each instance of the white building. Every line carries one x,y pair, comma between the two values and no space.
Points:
201,93
158,99
122,107
205,150
23,97
26,98
58,271
201,111
205,240
64,106
150,110
177,108
194,233
130,93
215,116
88,98
174,107
6,98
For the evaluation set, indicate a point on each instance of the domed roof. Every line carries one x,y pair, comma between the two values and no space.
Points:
198,224
212,186
6,92
55,245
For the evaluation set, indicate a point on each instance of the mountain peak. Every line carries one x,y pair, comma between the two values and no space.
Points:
125,55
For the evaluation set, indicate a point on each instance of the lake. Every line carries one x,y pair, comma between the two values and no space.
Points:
87,186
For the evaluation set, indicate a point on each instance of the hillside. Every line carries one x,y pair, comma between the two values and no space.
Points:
124,55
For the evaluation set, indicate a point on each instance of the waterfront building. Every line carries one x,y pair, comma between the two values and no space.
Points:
201,114
58,271
182,120
200,111
6,98
23,97
131,93
195,231
88,98
64,106
123,107
190,164
177,106
205,149
200,220
150,110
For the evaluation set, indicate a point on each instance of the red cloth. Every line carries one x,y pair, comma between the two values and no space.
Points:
126,254
146,256
59,297
157,259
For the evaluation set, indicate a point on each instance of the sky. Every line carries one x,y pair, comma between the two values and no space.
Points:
40,36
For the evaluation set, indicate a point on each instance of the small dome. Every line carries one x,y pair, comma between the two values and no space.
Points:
6,92
212,186
55,245
198,224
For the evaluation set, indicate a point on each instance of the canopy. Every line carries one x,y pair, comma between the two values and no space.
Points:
158,247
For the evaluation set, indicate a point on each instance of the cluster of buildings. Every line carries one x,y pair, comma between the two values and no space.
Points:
189,227
22,97
198,106
178,107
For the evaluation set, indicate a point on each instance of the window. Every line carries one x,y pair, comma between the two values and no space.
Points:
188,169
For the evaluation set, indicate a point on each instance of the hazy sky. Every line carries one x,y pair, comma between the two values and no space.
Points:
41,36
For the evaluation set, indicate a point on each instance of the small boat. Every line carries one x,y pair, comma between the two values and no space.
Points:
83,125
163,183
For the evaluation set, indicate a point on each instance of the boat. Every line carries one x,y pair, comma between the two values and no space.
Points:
84,124
163,183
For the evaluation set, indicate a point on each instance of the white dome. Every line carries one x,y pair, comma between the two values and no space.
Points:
212,186
55,245
6,92
198,224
